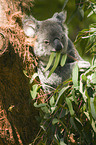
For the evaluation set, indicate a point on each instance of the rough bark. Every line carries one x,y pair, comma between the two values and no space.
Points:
17,113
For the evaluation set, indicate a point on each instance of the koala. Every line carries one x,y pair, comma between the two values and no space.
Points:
52,36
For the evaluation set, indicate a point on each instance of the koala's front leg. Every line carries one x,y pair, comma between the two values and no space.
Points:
83,65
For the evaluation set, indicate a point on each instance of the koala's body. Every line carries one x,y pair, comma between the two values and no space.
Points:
52,36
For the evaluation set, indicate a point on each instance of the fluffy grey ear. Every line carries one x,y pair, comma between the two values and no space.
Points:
29,25
60,16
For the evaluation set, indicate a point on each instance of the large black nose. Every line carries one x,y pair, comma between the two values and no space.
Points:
58,45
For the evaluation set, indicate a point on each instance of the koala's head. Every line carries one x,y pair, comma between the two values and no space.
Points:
51,34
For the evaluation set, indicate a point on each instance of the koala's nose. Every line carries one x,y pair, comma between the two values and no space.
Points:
58,45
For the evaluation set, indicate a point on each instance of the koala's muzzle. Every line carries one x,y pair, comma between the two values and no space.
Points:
57,44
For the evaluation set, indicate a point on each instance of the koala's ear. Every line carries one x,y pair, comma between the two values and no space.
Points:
60,16
30,24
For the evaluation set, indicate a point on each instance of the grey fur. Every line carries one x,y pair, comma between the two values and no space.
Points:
52,35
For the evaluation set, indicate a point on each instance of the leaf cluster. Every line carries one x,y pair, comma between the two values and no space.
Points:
68,115
70,112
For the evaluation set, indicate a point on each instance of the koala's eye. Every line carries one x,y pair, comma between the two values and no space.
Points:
46,41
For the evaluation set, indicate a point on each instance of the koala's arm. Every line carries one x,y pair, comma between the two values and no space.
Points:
72,53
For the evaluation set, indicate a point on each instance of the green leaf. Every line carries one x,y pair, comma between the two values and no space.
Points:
63,60
34,91
50,61
89,107
80,12
54,121
73,94
73,123
94,59
33,77
52,101
93,111
25,73
72,16
76,123
94,78
93,6
84,78
53,109
45,109
56,62
93,123
75,75
40,105
60,93
62,142
65,3
70,106
95,103
81,85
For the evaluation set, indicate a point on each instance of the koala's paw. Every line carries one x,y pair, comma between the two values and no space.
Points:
83,65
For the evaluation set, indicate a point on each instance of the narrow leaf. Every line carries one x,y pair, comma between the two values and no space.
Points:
93,111
65,3
52,100
70,106
73,94
56,62
45,109
75,75
50,61
60,93
62,142
54,121
95,103
63,60
73,123
33,77
93,124
80,12
94,78
34,91
84,78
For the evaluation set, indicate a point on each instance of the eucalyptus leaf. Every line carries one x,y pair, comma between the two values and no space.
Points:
81,85
95,103
54,121
80,12
45,109
52,100
73,94
93,123
60,94
63,60
73,123
76,123
84,78
93,111
33,77
75,75
34,91
70,106
62,142
65,3
56,62
50,61
94,78
40,105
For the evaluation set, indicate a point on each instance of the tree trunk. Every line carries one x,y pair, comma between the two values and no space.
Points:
17,113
